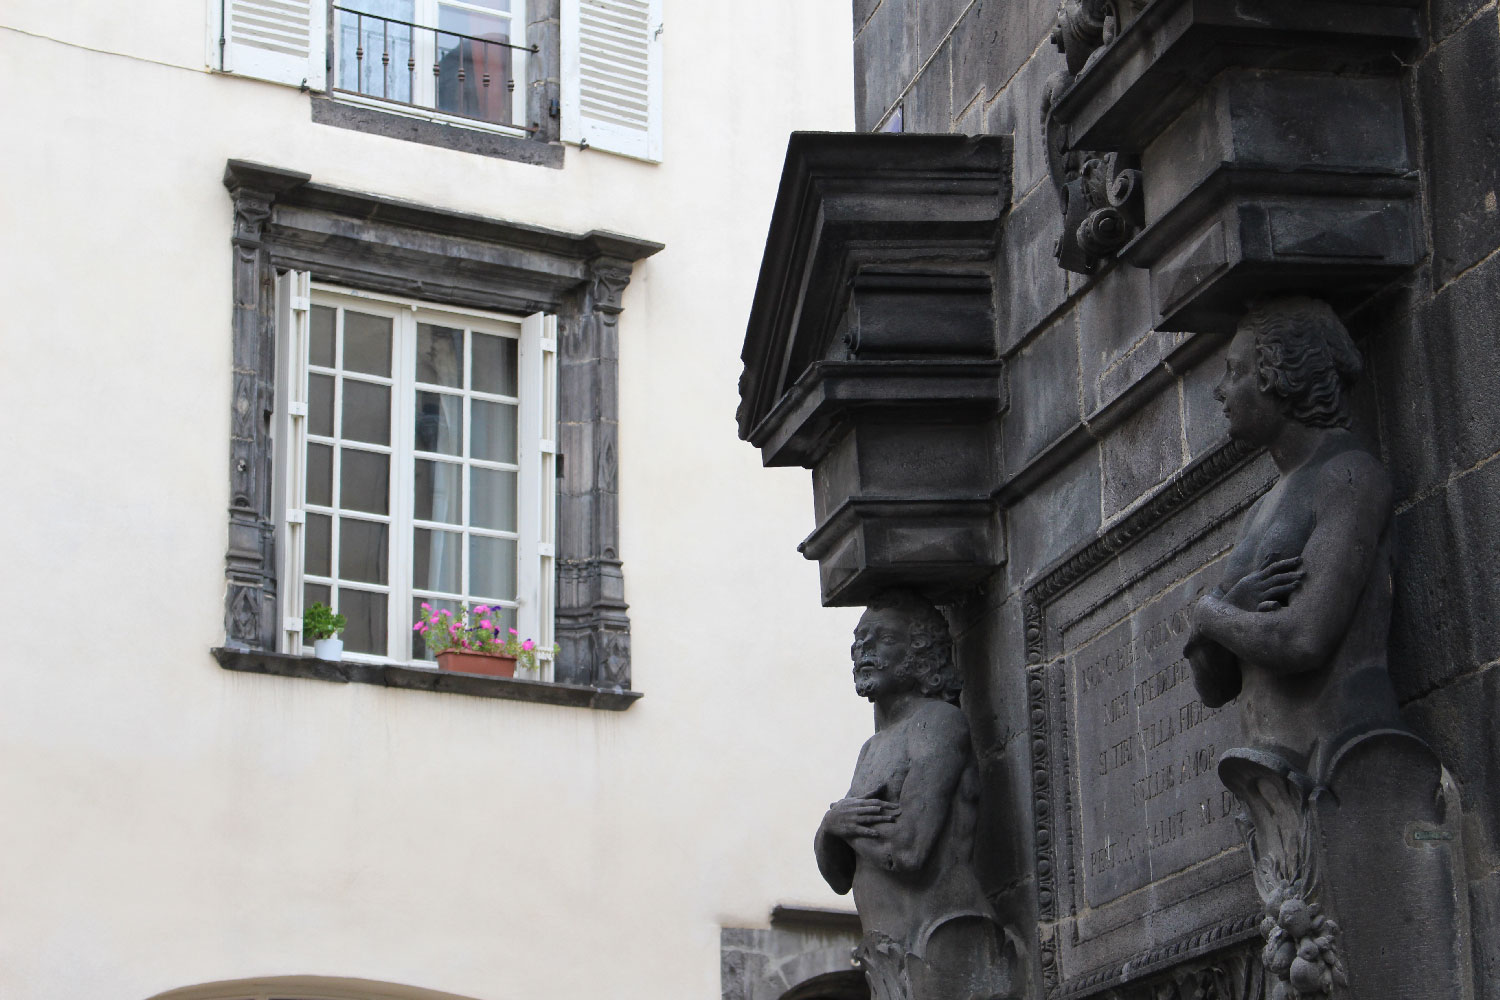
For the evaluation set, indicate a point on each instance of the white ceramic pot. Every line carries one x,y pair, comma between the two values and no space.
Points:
328,649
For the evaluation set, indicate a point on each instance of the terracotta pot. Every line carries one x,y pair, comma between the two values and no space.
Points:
461,661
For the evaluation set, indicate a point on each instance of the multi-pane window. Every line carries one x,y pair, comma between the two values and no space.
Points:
419,467
459,57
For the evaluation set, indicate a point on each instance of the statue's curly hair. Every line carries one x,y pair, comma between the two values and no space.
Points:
929,659
1305,358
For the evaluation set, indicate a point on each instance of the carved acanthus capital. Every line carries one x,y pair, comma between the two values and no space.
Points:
607,280
254,188
251,210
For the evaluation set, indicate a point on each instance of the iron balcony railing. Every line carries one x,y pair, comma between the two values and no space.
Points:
471,77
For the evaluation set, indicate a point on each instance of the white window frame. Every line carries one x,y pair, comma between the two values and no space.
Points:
423,103
536,459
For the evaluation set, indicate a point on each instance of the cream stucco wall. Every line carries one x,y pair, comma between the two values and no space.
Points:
164,822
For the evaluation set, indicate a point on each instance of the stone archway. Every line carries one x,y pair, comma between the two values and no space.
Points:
304,988
842,985
806,954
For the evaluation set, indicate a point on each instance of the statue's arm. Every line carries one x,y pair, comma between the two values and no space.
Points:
835,860
1216,671
1352,504
847,820
939,753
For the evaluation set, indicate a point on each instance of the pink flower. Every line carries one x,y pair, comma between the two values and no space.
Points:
418,626
433,620
528,645
511,631
485,623
481,608
452,629
426,606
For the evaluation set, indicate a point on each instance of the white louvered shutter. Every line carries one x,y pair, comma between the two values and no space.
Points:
289,438
537,509
283,41
611,79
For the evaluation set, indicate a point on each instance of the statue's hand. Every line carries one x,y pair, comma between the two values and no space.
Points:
1269,587
849,818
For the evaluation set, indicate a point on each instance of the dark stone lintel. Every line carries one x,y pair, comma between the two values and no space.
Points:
787,915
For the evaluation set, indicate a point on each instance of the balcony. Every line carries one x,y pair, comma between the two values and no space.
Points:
464,70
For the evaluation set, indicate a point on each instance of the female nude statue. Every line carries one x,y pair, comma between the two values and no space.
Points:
1351,821
1297,629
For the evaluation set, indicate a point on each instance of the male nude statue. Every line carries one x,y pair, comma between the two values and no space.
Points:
1297,629
903,838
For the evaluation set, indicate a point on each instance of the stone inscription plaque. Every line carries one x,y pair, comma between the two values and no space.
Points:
1139,862
1145,748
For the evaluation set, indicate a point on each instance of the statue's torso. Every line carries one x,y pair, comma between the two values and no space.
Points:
904,905
1303,716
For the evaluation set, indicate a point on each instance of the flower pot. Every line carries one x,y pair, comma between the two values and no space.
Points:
328,649
461,661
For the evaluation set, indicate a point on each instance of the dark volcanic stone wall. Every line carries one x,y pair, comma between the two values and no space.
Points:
1097,422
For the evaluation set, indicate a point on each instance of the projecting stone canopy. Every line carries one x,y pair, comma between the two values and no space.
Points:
870,355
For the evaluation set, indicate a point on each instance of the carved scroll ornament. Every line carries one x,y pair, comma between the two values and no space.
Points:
1099,192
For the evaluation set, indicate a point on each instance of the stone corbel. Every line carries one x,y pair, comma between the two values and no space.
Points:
1099,192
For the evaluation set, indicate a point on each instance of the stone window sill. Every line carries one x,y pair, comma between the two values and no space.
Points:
397,124
423,679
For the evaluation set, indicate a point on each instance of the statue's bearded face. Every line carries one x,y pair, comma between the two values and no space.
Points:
1254,414
882,645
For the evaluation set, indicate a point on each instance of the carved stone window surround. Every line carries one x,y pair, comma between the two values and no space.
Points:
284,221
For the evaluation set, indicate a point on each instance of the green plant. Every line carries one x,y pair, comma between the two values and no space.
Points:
322,622
474,632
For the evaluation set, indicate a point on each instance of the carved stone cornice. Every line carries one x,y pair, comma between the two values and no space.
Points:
1235,151
870,355
1176,494
853,203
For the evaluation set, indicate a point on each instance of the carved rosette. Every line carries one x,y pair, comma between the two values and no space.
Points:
1099,192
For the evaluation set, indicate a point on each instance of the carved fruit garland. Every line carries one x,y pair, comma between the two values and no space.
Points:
1302,942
